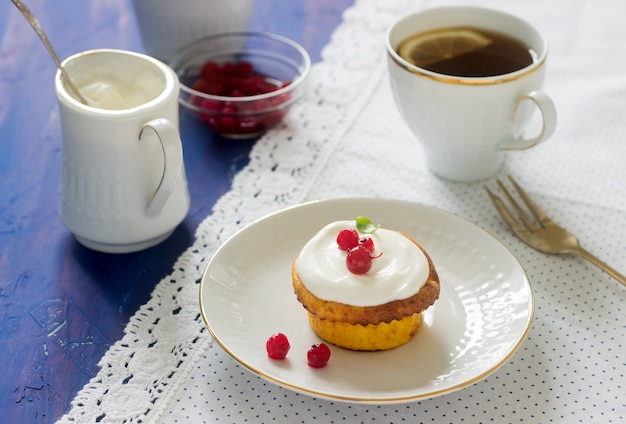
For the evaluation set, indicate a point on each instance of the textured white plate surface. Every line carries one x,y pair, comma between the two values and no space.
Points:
481,318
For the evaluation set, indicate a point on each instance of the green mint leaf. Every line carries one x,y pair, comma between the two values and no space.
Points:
365,226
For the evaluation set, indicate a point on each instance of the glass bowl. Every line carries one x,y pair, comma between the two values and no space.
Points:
241,84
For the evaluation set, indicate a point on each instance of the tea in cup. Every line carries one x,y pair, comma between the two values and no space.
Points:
467,81
123,184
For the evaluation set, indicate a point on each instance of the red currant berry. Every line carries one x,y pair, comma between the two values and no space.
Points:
359,260
318,355
200,85
270,119
210,68
277,346
236,93
213,87
211,105
229,69
244,69
347,239
368,243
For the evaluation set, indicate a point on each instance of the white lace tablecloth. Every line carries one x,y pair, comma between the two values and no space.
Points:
347,139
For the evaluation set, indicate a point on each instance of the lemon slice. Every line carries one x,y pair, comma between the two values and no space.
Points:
434,46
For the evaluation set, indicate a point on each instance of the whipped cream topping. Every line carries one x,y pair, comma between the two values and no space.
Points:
400,271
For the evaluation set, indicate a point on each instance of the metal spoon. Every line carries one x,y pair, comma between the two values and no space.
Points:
32,20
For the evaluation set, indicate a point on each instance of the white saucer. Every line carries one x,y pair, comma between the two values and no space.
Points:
481,318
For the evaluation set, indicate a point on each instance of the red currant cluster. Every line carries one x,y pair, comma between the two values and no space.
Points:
238,80
277,347
360,251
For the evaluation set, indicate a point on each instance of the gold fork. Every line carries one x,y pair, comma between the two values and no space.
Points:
540,232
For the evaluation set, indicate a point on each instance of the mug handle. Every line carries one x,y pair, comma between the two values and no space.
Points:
548,117
173,162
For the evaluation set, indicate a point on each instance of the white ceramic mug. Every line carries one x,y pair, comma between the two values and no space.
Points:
167,25
464,124
123,184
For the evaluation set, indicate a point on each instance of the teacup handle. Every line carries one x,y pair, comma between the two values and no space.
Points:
548,117
173,162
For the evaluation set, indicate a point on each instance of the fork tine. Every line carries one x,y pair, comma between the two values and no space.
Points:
532,206
506,214
530,223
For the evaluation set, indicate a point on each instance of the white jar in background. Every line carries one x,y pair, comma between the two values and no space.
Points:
167,25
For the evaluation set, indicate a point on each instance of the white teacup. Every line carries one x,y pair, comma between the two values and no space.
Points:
123,184
465,123
167,25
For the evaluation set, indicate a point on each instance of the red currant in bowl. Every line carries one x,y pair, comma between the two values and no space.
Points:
241,84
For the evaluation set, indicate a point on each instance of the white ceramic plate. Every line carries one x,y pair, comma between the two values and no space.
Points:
481,318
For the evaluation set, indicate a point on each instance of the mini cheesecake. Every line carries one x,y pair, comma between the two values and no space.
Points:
378,310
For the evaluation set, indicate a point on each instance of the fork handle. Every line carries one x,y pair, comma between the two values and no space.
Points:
603,266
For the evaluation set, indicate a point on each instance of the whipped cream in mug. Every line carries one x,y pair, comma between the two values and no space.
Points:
107,92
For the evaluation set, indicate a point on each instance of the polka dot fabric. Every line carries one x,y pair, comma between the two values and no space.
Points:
348,140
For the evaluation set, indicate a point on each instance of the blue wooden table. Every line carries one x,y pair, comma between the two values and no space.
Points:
62,305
